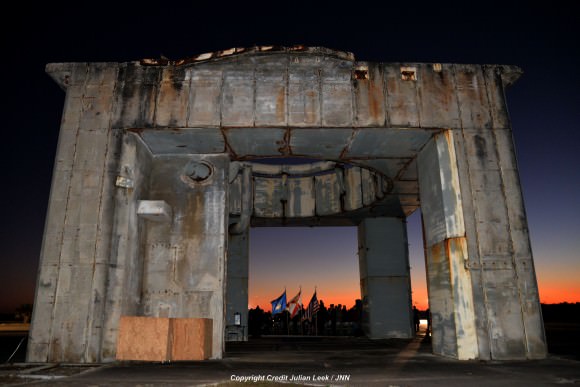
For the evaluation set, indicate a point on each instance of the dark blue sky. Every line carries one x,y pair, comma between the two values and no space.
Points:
544,104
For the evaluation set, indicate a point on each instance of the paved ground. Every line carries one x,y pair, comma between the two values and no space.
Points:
312,361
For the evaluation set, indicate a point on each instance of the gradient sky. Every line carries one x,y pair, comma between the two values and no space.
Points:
544,105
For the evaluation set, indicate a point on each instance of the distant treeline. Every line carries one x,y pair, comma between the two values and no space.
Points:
338,320
564,312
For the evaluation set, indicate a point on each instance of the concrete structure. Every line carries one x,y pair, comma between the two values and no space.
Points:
156,183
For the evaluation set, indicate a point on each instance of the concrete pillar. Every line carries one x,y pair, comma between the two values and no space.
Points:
237,286
448,279
185,259
384,277
70,292
482,289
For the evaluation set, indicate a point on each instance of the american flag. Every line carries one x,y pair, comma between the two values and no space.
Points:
313,307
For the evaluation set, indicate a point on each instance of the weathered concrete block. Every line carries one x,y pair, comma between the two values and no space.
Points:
155,210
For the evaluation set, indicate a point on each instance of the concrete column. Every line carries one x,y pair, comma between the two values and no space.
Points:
70,292
124,285
185,259
384,278
448,279
237,285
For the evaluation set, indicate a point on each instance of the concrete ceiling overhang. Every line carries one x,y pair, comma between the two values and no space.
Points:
389,151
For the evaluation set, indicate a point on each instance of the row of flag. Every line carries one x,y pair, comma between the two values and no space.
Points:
295,305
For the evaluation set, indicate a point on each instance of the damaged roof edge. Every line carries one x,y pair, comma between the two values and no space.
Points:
224,54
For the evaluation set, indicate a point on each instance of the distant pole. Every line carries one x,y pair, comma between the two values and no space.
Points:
287,324
316,324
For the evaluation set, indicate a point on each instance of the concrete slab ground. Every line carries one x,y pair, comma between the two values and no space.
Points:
318,361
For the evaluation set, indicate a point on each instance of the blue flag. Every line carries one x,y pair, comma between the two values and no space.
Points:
279,304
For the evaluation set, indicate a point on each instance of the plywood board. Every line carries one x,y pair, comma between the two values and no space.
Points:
144,338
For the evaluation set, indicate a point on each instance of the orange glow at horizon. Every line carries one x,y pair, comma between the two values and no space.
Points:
555,292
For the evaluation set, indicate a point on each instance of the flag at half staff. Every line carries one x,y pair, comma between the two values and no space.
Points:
279,304
295,304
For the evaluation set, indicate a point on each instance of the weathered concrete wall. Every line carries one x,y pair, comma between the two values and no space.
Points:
130,132
480,277
185,260
384,277
70,294
505,288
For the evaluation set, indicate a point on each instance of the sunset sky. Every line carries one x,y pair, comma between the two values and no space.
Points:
544,105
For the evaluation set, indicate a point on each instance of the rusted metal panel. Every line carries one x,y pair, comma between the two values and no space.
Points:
383,143
237,100
402,103
328,192
173,99
271,95
337,104
136,96
303,94
204,98
472,96
353,194
437,98
301,197
369,94
268,195
323,143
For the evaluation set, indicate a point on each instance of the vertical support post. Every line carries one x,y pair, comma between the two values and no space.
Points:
237,282
384,277
448,279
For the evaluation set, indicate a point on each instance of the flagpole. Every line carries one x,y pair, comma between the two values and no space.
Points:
316,315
